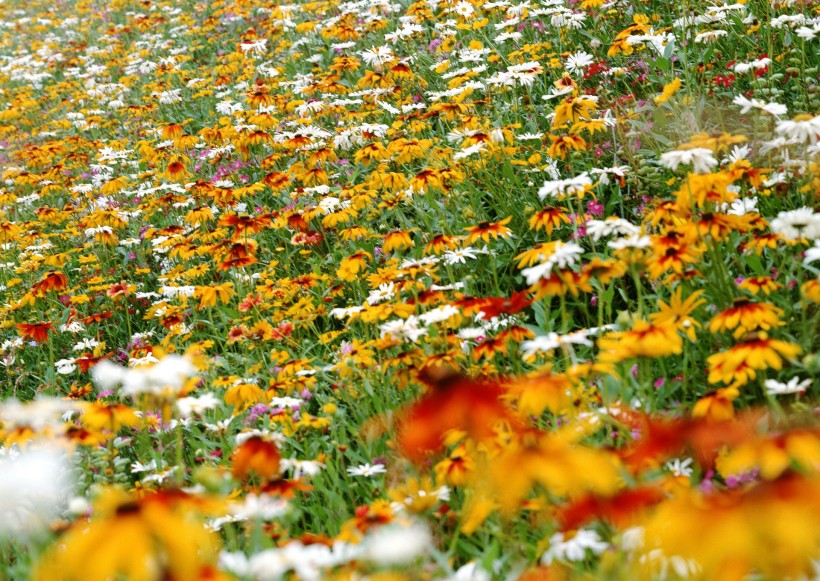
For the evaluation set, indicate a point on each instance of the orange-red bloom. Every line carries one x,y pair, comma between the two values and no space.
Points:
55,281
256,456
35,331
454,403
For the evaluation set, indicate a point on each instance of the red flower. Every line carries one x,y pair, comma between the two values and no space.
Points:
35,331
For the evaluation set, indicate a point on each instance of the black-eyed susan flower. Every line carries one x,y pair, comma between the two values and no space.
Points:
757,284
740,363
745,316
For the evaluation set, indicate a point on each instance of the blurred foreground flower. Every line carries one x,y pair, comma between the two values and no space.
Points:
154,538
395,544
35,487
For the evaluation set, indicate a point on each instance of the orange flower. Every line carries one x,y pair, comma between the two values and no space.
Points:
256,456
676,258
548,219
488,348
455,403
439,243
259,95
769,530
244,224
563,144
661,438
55,281
119,290
173,131
35,331
239,254
495,306
717,406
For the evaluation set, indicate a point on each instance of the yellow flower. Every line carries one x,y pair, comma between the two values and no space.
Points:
108,416
563,144
153,538
573,110
208,295
668,91
745,316
740,363
755,284
773,455
656,339
457,468
679,312
352,265
418,495
716,407
769,530
397,240
555,462
534,394
486,230
701,188
244,395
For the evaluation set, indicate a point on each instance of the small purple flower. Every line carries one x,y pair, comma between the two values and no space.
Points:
256,412
707,486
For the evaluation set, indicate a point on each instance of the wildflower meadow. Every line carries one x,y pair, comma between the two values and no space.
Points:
409,290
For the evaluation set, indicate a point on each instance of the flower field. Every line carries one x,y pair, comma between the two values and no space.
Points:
409,290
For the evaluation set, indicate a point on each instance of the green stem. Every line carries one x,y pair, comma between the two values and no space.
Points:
180,457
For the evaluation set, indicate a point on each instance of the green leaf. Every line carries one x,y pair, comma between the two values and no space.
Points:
663,64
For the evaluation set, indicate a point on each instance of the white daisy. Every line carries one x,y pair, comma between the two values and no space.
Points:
574,548
804,130
367,470
747,105
796,224
701,159
556,188
577,62
794,385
